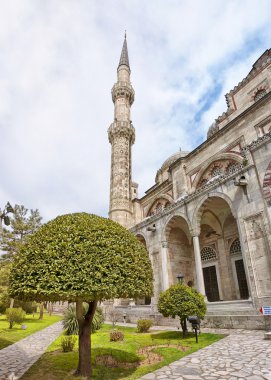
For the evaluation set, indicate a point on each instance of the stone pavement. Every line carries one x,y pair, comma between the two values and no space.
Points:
243,355
18,357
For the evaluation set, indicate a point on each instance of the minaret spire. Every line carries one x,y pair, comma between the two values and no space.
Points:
121,134
124,58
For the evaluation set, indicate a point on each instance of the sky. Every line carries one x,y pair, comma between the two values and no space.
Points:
58,63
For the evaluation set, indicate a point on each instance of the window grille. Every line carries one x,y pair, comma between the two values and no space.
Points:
208,254
232,168
235,247
216,171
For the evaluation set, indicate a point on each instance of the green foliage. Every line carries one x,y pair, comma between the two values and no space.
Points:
15,315
22,223
28,306
143,325
4,299
181,300
67,343
3,214
116,336
81,257
4,276
70,322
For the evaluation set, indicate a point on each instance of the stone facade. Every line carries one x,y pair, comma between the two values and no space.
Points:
208,214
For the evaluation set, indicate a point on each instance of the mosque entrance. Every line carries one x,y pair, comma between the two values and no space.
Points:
210,282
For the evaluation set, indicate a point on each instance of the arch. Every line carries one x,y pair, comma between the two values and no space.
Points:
267,183
170,221
142,238
198,211
220,157
163,197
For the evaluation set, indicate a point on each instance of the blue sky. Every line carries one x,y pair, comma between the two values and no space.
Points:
58,64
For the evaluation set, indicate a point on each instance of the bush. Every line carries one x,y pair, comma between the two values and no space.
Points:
70,322
116,336
15,315
28,307
143,325
67,343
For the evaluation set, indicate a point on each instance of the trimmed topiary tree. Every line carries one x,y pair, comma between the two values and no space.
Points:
181,300
81,258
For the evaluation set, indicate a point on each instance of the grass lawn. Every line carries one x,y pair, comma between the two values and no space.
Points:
56,365
10,336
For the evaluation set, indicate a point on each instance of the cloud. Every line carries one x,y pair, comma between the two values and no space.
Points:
57,66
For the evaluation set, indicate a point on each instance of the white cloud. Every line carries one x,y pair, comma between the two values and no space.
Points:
57,66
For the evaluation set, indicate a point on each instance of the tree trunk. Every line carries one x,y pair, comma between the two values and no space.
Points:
50,308
184,326
84,364
11,303
41,311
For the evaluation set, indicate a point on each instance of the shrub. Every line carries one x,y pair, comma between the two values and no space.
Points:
143,325
15,315
116,336
70,322
28,307
67,343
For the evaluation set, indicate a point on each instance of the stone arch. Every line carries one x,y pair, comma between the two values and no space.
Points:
223,156
170,220
142,238
267,183
164,197
196,219
179,250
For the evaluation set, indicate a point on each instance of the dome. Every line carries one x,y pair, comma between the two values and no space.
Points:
162,173
174,157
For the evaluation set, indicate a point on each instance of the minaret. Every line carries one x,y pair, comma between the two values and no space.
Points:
121,134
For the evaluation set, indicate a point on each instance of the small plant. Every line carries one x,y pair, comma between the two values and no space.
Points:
15,315
143,325
116,336
67,343
245,162
70,322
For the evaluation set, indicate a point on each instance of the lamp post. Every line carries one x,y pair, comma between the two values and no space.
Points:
180,278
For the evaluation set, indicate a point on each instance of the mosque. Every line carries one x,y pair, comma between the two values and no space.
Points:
207,218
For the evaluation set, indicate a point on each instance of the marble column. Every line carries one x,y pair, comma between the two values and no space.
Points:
164,259
199,272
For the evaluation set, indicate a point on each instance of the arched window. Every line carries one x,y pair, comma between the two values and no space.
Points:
208,254
235,248
259,95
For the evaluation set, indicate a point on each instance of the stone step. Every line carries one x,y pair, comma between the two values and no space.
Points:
239,307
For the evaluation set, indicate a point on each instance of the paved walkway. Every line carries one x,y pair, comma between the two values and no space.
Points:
18,357
243,355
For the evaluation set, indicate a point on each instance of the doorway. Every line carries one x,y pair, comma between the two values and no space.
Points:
210,282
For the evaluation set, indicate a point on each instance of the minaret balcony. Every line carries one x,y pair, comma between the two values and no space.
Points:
121,129
123,89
